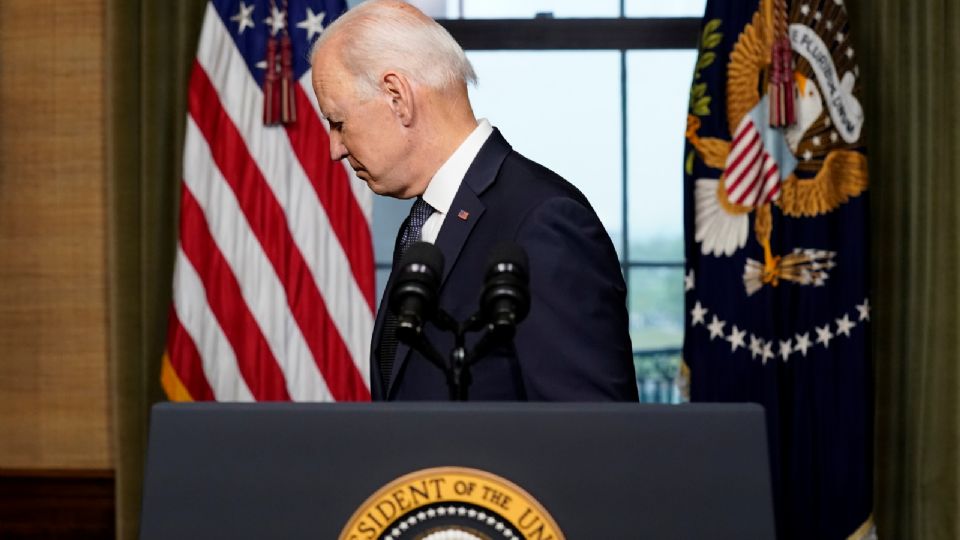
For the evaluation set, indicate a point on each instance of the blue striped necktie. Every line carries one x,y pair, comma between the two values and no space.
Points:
412,230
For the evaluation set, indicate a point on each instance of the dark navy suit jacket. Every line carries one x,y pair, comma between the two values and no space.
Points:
574,345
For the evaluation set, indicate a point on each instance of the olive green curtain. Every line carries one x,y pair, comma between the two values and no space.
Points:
150,49
909,54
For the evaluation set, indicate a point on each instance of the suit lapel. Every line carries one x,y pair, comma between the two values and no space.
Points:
467,208
465,212
376,383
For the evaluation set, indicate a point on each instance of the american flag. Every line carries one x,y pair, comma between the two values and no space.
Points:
273,288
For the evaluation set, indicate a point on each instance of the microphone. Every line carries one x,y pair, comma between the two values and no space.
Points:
506,293
414,296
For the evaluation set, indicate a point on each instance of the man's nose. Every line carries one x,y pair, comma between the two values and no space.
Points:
337,150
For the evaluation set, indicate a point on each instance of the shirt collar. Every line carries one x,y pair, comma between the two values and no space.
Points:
444,185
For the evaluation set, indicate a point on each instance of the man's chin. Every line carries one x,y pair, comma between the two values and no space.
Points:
385,191
377,188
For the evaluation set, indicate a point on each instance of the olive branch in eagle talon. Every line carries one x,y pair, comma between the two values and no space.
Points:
699,99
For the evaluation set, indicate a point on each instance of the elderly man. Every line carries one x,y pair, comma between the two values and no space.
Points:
393,85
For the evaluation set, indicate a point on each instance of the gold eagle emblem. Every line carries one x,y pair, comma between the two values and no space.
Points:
807,169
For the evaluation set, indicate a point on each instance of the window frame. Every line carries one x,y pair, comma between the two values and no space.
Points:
621,34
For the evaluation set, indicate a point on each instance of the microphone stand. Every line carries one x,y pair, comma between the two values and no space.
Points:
505,301
457,369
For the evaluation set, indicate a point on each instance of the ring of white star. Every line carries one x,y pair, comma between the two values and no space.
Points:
799,343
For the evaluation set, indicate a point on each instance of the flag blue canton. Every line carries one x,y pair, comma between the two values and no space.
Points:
776,247
250,24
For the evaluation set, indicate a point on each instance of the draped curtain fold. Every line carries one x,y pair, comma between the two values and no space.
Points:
150,49
909,54
910,60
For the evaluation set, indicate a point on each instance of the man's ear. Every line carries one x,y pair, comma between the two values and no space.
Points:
400,93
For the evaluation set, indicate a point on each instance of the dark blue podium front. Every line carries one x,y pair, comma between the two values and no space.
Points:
602,471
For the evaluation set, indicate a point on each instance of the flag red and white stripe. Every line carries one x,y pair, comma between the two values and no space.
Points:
274,281
752,177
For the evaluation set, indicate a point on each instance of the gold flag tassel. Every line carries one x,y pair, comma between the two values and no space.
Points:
780,87
288,109
278,89
270,83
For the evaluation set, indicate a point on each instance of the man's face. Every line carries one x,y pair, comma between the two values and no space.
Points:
366,133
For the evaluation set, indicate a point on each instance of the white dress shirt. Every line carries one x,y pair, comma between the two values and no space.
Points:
444,185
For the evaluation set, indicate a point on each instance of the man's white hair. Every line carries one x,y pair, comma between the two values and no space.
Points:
382,35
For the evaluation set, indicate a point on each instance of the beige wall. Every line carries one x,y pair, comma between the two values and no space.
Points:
54,408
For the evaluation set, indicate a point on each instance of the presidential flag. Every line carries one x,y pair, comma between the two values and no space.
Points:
273,289
776,243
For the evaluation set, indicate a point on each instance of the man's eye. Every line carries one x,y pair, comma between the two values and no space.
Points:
336,125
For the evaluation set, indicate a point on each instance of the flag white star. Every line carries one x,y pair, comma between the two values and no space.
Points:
824,335
803,343
244,17
805,9
849,52
864,310
840,37
716,328
313,24
697,313
688,281
785,349
736,338
767,352
844,325
277,20
756,346
807,155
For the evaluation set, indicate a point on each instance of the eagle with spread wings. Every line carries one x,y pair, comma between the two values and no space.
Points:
806,168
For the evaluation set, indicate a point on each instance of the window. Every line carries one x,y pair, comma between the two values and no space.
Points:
602,101
525,9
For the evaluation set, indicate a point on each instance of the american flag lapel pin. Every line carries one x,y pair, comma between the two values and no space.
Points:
463,214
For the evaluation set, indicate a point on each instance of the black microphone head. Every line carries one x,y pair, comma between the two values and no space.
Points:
414,295
426,254
506,293
508,257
